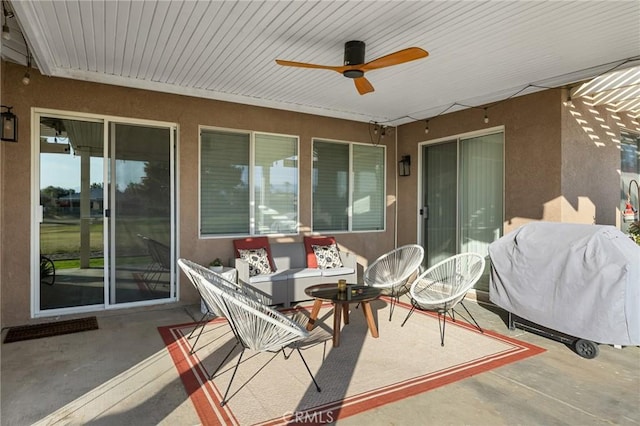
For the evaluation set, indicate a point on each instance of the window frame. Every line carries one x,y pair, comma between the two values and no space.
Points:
351,183
251,182
629,138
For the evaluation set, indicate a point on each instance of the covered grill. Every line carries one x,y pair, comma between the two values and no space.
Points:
582,281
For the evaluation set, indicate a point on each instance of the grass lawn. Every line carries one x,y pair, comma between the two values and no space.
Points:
60,240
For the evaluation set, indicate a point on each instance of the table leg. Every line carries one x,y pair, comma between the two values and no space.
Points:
314,314
345,312
366,309
337,322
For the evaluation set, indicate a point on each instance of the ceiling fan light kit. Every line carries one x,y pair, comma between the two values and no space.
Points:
354,66
353,55
353,73
354,52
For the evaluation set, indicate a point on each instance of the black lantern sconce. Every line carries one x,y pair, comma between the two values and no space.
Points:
404,166
9,125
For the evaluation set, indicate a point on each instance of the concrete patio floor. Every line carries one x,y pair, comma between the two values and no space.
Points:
121,374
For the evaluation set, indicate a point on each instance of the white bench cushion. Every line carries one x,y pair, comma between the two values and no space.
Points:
262,278
332,272
304,273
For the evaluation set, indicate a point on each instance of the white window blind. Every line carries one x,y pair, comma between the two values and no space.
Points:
342,204
330,186
368,188
462,195
224,183
481,189
248,183
276,184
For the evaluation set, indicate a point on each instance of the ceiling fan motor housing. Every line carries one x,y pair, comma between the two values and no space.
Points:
353,55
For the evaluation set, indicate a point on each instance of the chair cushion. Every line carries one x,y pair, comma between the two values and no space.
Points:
337,271
304,273
263,278
328,256
312,262
258,261
254,243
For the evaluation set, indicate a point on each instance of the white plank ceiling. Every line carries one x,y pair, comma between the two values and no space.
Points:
479,51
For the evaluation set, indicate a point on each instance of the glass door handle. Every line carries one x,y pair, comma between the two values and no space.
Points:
425,212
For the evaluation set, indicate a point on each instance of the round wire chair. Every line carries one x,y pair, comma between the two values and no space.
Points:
391,271
445,285
192,270
256,326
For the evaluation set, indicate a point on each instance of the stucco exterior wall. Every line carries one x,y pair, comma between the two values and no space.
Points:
188,113
591,185
561,164
532,150
562,160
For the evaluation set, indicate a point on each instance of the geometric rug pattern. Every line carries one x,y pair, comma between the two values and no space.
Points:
361,374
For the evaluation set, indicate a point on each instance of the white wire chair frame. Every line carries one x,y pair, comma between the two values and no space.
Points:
191,270
392,271
255,325
444,285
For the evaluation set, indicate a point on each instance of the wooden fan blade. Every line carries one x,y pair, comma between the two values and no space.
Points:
363,85
305,65
399,57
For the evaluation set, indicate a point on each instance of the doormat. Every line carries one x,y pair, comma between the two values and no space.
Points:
37,331
359,375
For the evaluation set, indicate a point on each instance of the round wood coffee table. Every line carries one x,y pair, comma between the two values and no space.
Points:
361,294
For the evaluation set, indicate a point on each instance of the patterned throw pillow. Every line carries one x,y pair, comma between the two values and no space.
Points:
258,261
328,256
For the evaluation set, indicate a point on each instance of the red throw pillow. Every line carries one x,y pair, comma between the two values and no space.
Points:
317,241
253,243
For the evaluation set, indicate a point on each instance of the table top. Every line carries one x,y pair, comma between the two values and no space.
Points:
353,294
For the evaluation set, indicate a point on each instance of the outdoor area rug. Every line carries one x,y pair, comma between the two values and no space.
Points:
37,331
361,374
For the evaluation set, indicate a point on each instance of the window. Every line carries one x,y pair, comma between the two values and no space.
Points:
629,174
348,187
248,183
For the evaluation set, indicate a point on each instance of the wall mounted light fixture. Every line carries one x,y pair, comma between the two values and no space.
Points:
9,125
404,166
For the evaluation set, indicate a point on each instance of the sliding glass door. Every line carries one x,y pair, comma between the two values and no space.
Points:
104,214
440,195
71,226
462,195
141,213
481,191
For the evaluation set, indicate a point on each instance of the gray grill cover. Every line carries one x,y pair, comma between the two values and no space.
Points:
581,280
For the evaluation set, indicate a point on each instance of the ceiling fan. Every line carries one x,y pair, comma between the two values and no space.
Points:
354,66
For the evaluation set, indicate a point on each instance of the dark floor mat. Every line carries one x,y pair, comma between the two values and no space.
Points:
36,331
